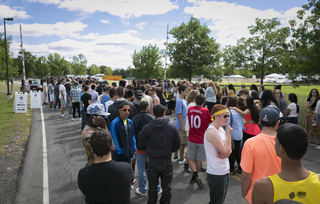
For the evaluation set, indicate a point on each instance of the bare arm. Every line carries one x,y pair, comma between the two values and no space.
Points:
151,109
89,102
156,101
213,138
181,121
243,113
310,104
262,191
62,93
287,111
245,183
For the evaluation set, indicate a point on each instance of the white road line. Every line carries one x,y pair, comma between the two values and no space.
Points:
45,162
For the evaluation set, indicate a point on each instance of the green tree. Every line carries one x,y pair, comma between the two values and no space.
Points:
193,52
147,62
41,67
29,63
304,49
121,72
264,51
106,70
79,65
12,66
93,70
57,64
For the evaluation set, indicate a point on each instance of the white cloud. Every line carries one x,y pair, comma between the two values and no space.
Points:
121,8
114,50
105,21
141,25
125,23
231,21
7,12
61,29
46,1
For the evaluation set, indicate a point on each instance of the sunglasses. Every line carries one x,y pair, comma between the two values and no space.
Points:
125,109
226,116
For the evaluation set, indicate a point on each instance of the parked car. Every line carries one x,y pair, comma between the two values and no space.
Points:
35,85
98,76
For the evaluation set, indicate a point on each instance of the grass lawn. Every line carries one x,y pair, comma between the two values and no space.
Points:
3,87
301,90
12,124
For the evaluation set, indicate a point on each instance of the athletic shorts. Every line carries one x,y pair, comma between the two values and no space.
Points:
63,102
196,152
183,136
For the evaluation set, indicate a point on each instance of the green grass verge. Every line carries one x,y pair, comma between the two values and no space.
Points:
13,124
301,90
3,87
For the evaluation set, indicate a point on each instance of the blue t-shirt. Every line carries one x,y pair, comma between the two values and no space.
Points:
181,108
104,99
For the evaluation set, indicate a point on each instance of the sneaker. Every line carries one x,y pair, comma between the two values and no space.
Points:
203,169
139,193
160,191
318,147
181,161
79,118
187,169
62,116
192,180
72,119
176,159
199,182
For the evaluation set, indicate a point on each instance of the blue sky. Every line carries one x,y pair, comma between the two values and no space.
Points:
107,32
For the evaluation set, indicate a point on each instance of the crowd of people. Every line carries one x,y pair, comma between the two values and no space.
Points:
253,133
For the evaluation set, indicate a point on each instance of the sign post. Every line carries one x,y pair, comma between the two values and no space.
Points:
20,103
35,99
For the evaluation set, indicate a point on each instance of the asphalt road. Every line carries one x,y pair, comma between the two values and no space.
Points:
66,156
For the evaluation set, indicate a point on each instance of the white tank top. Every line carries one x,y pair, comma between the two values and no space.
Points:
215,165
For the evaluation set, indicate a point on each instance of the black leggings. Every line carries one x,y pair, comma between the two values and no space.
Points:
75,105
246,136
235,155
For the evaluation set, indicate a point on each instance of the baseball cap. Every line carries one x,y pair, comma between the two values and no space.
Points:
100,80
270,114
152,88
138,94
96,109
68,79
105,82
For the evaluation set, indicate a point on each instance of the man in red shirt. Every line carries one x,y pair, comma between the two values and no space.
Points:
199,119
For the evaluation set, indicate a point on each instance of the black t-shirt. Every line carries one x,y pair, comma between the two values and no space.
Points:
309,100
108,182
85,99
67,87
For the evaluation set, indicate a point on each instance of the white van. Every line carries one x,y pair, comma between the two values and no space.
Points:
98,76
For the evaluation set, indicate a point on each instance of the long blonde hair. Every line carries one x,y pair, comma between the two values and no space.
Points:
191,97
210,83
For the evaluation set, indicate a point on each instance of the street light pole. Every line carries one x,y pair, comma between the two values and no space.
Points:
8,96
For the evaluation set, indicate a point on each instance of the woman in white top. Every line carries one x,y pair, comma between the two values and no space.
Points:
292,110
217,146
210,95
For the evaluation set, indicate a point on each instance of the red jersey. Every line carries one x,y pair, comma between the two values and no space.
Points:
199,119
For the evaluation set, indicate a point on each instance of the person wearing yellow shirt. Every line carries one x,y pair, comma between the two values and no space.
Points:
293,182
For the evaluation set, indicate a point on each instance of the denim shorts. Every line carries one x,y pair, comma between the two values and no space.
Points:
318,118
